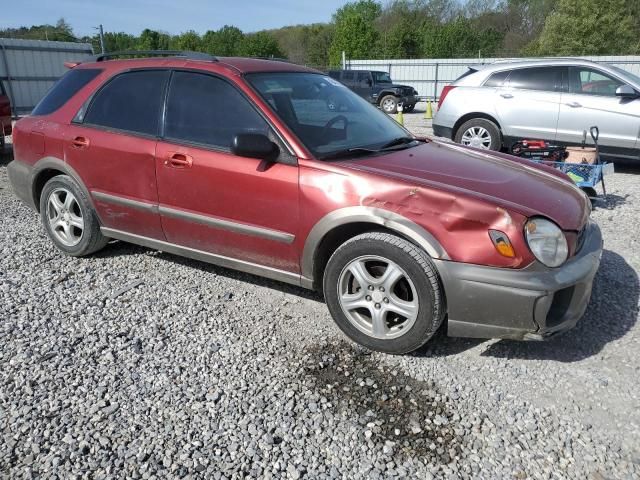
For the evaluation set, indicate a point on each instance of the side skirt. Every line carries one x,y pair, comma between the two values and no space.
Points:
220,260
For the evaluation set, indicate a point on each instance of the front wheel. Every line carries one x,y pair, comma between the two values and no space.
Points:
384,293
479,133
389,104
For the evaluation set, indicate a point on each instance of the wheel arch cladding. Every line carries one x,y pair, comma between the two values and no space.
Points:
470,116
338,226
46,169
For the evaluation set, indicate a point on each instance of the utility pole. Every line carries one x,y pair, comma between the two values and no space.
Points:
99,28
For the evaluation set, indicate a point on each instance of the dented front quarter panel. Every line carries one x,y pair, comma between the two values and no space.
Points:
459,224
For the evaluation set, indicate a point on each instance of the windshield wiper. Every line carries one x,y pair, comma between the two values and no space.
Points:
348,152
395,144
397,141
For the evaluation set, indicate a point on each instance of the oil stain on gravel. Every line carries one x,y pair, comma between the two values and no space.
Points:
399,412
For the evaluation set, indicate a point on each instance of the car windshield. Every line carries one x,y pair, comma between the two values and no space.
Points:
629,75
329,119
381,77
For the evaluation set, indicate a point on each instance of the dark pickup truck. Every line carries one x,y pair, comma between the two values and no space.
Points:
378,88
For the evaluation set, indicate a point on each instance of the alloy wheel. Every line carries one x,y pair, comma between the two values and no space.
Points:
378,297
65,217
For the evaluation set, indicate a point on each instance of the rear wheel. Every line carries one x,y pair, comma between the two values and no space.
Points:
409,108
384,293
389,104
479,133
69,219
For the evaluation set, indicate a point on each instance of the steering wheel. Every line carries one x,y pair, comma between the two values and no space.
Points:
332,122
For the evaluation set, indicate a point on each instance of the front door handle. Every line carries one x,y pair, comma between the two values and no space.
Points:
573,105
80,142
506,95
179,160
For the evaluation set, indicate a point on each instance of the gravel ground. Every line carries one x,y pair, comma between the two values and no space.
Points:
135,363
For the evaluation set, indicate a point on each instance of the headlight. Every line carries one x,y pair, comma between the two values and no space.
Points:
546,241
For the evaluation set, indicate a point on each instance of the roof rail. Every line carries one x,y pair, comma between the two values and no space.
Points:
156,53
536,59
275,59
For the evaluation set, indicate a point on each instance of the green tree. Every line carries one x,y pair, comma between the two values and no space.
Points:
401,28
189,41
355,31
320,39
153,40
260,44
224,42
460,38
590,27
115,42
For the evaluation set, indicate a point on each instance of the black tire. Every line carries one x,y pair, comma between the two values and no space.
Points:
409,108
90,239
493,130
415,263
389,104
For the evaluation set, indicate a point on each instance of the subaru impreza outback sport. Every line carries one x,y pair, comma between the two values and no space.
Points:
243,163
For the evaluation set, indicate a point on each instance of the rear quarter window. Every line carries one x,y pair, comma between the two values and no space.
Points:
65,88
497,79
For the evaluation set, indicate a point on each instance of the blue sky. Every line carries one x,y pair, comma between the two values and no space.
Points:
173,16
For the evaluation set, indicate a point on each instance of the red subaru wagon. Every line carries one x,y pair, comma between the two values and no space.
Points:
278,170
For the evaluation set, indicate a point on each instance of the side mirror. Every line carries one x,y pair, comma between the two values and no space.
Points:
254,145
626,91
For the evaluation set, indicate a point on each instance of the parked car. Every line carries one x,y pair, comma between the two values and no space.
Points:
5,115
242,163
494,106
378,88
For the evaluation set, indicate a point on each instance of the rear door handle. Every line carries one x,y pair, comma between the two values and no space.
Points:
573,105
506,95
179,160
80,142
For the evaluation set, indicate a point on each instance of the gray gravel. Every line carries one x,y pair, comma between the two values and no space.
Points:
134,363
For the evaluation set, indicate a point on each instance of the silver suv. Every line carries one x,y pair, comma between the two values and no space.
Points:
495,105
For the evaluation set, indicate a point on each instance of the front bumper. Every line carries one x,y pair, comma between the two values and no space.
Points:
528,304
408,100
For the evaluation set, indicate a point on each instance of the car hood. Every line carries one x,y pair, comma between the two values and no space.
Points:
509,182
388,86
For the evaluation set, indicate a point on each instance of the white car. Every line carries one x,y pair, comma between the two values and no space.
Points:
495,105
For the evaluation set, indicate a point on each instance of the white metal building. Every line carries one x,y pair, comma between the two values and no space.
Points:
28,68
430,75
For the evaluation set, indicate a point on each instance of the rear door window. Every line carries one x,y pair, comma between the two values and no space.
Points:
363,77
548,79
65,88
207,110
348,77
131,102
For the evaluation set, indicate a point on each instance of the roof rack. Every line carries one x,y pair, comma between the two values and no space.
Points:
156,53
536,59
275,59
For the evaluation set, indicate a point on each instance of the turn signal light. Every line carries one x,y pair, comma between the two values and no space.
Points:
502,243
